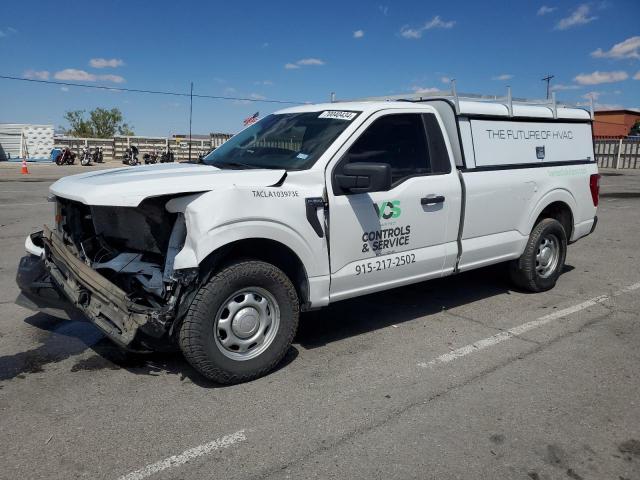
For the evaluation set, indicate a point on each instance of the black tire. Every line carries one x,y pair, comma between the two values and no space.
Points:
525,272
200,342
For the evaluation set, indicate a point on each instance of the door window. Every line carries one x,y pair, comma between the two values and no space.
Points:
398,140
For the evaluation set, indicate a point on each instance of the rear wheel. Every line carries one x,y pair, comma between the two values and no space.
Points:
543,259
241,322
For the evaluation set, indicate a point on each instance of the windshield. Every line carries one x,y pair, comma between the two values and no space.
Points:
292,141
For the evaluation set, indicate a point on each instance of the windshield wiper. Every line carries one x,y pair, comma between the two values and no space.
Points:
233,165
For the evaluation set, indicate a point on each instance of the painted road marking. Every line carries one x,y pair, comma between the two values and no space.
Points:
525,327
187,455
21,204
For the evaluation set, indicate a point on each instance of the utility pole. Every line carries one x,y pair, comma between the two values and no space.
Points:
190,117
548,80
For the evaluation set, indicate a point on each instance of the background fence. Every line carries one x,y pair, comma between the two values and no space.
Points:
114,148
621,153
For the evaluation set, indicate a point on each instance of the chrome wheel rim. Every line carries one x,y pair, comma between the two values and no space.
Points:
548,256
246,323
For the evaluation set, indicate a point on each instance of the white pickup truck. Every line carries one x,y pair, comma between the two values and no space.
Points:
312,205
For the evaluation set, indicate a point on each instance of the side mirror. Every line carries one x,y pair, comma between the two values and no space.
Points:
364,177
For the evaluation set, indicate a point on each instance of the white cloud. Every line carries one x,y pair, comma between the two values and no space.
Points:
596,78
600,106
257,96
560,86
106,63
435,22
36,74
64,89
7,31
594,95
579,16
445,79
410,33
420,90
310,61
267,83
358,34
110,78
265,45
503,77
81,75
637,76
629,48
384,9
543,10
304,62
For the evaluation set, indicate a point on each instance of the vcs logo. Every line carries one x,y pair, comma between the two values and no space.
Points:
388,209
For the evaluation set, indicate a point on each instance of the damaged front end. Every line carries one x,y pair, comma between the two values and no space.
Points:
115,265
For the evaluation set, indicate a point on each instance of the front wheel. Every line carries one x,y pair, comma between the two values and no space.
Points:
539,267
241,322
85,161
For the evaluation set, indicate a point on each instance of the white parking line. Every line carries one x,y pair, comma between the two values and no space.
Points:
21,204
525,327
184,457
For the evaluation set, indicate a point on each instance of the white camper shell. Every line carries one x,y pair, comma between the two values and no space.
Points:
312,205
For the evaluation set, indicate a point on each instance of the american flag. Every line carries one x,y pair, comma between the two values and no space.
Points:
252,119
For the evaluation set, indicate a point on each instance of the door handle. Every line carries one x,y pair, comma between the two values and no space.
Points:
432,200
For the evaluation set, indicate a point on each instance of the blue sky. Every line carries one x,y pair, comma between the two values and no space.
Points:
302,51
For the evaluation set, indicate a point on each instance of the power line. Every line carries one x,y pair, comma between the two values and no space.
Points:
155,92
548,80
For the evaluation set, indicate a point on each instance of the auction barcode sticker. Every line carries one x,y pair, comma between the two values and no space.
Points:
338,115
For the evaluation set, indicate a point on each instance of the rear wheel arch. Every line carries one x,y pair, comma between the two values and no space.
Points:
561,212
558,204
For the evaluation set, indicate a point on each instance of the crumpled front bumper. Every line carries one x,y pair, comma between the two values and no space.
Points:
38,292
60,284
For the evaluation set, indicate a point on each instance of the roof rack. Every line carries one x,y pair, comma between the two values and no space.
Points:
453,95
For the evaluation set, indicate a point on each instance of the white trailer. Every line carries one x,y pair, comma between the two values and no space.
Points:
32,142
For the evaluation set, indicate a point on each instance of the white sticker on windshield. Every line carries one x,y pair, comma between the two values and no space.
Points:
302,156
338,115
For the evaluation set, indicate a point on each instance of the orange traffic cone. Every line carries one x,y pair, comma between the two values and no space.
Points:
24,170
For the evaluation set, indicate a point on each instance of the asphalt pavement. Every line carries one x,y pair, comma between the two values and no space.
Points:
459,378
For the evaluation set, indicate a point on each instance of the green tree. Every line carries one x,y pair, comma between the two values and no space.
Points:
635,130
102,123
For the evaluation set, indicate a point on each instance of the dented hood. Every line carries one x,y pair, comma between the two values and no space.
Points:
128,186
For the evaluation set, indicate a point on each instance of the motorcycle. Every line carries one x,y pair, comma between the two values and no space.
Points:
67,157
85,157
131,156
167,156
97,155
150,158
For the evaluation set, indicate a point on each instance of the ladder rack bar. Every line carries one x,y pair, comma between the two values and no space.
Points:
454,92
508,101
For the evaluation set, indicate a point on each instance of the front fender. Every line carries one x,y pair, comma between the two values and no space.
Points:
196,249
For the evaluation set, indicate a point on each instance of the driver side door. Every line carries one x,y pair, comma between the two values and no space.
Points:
383,239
